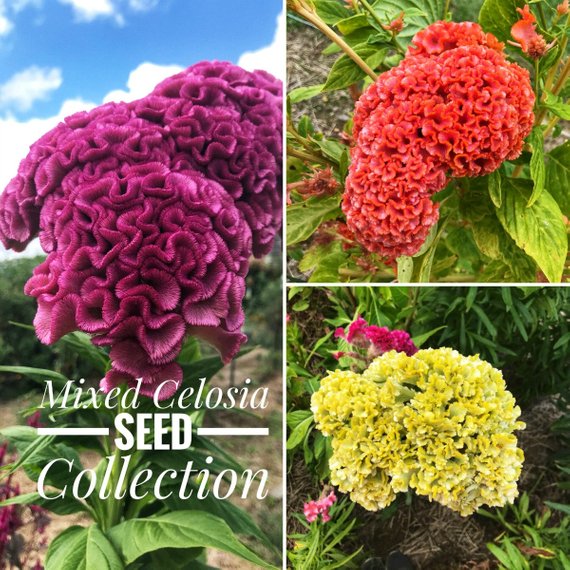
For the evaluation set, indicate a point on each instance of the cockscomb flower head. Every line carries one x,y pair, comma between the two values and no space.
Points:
436,422
149,212
454,106
369,341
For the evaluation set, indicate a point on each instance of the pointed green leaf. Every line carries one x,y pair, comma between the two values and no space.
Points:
498,17
558,176
180,529
80,548
539,230
305,217
537,169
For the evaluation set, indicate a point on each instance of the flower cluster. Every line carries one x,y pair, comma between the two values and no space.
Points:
436,422
149,212
376,340
312,509
454,106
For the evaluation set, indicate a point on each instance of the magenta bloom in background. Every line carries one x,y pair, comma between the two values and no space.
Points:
374,339
149,212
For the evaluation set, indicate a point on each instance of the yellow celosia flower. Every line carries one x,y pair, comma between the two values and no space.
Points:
437,422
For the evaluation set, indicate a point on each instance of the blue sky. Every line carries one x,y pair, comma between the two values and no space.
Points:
61,56
91,46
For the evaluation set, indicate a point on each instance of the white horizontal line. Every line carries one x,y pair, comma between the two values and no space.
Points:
200,431
73,431
232,431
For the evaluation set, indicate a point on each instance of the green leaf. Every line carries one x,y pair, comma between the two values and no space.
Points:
305,217
323,261
80,548
539,230
304,93
66,505
180,529
296,417
299,433
345,71
559,507
405,269
417,15
495,191
537,169
39,374
555,104
420,339
498,17
331,148
356,22
238,520
558,176
331,11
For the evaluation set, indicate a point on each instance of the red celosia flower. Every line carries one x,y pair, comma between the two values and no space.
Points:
527,38
455,106
149,212
525,29
396,25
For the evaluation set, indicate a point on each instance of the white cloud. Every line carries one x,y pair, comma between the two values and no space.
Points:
89,10
10,7
142,81
17,136
5,24
271,58
142,5
26,87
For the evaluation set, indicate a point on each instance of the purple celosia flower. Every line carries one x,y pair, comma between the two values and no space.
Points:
149,212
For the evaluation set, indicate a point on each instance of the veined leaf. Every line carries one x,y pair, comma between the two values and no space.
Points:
537,169
417,15
331,11
304,93
305,217
498,17
538,230
179,529
345,71
80,548
558,176
555,104
495,189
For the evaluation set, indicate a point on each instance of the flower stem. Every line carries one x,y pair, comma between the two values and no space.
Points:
311,16
309,156
377,19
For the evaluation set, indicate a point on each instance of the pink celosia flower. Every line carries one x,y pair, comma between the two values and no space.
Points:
563,8
312,509
454,106
376,340
149,212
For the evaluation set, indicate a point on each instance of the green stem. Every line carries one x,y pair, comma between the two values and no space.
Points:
446,9
377,19
551,125
308,156
311,16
